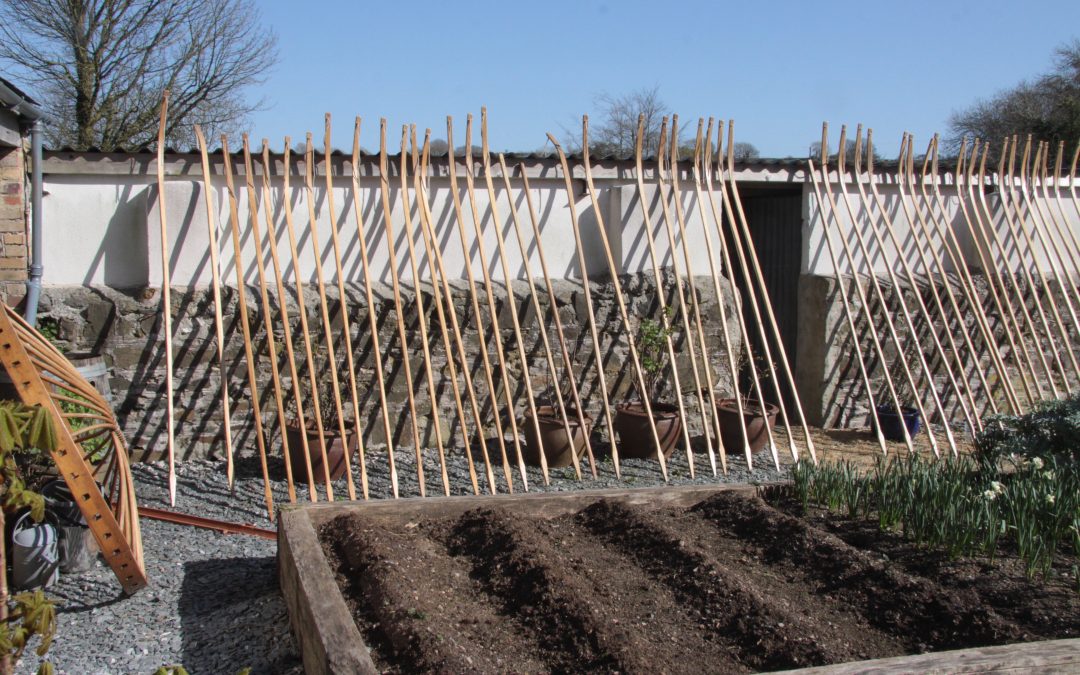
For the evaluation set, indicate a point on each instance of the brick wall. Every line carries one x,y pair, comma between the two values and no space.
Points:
13,245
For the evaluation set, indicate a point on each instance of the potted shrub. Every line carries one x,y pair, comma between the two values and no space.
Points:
631,418
759,417
335,444
553,440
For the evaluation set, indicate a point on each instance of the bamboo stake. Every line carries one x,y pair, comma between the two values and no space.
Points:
286,326
313,377
548,354
661,296
268,321
219,322
1013,330
1043,228
345,325
990,233
904,311
489,293
568,361
725,264
438,270
420,313
864,303
477,314
1061,225
511,301
399,311
680,221
846,303
755,267
614,272
245,325
324,305
166,313
967,282
1072,191
373,320
1021,222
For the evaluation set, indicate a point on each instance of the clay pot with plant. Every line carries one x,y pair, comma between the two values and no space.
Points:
759,417
331,437
632,423
553,441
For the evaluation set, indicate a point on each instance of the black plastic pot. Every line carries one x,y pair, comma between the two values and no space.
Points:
890,421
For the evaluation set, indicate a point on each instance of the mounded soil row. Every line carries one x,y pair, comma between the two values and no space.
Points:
729,585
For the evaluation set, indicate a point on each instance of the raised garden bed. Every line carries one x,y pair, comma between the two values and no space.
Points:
678,579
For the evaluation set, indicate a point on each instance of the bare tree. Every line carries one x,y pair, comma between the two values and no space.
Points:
101,66
746,151
614,131
1047,107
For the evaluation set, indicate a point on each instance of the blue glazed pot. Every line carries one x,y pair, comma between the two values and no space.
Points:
890,421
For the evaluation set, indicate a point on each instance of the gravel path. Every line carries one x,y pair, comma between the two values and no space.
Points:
213,602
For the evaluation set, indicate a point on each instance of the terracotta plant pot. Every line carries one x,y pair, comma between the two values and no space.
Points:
635,432
553,440
757,423
335,452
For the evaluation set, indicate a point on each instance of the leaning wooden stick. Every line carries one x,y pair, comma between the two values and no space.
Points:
548,354
613,271
845,301
166,311
219,322
763,296
905,313
1059,218
268,319
568,361
373,320
345,323
489,293
313,375
286,324
478,316
661,297
438,270
421,317
245,324
511,301
399,311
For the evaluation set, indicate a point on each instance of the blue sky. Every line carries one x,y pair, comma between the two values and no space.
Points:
778,68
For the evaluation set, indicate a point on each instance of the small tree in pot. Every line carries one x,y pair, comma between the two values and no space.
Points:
553,440
331,437
632,422
757,416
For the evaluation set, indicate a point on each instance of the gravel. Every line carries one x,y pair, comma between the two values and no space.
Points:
213,603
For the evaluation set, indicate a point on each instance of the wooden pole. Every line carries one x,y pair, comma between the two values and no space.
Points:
725,259
421,315
268,320
1013,329
245,324
1061,223
568,361
680,221
438,270
477,314
1042,228
286,324
166,308
399,310
897,290
219,322
345,323
846,303
661,297
313,376
492,309
639,372
373,320
511,302
755,268
865,305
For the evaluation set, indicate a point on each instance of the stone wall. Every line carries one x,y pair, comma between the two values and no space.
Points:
125,327
13,260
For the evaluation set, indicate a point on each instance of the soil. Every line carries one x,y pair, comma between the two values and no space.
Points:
732,584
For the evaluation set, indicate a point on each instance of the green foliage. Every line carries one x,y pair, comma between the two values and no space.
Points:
30,614
957,504
1051,429
652,343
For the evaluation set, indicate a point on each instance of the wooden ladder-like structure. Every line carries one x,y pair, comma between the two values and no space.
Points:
99,476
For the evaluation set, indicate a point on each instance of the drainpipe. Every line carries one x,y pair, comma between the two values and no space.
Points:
32,116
